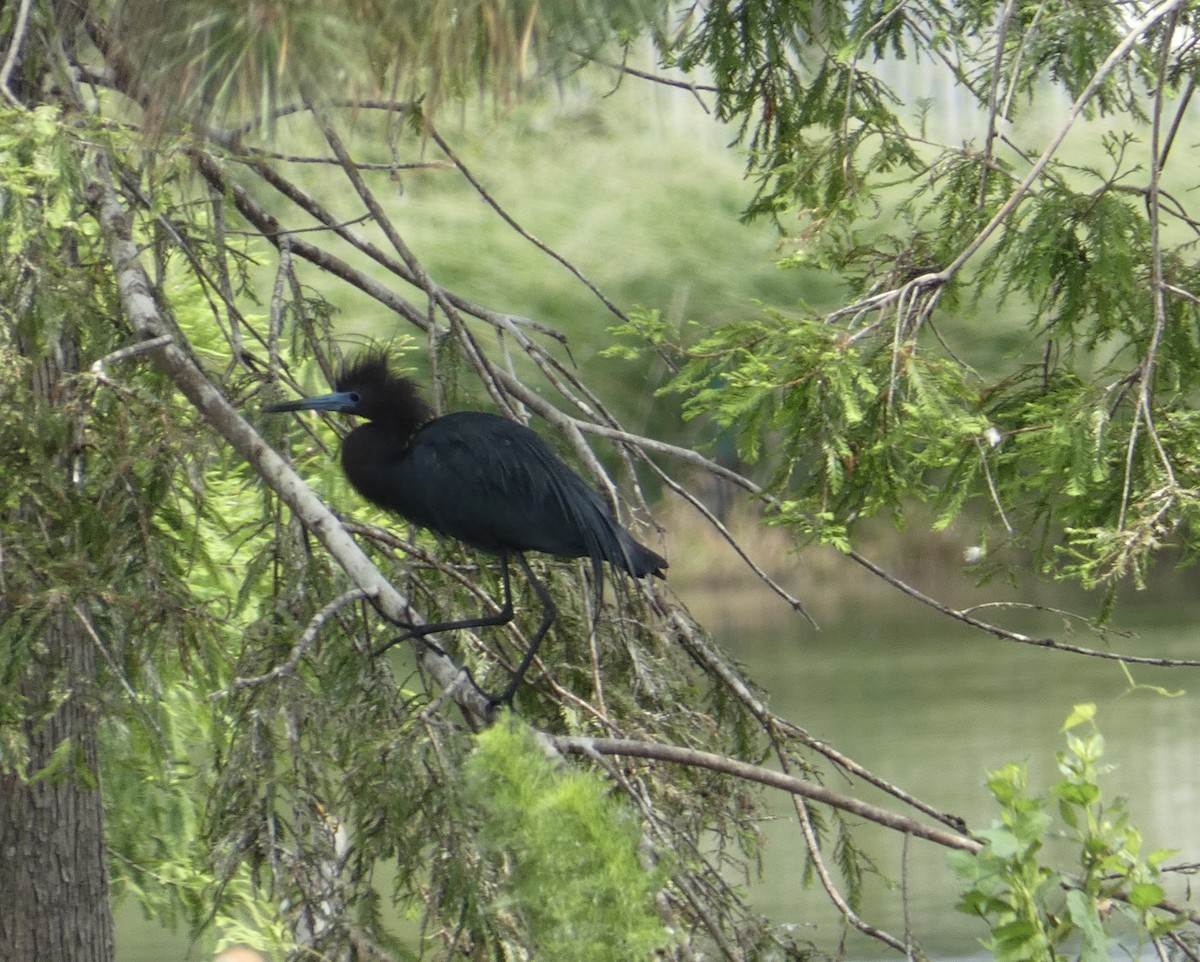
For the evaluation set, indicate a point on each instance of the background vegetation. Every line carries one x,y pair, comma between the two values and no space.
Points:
207,204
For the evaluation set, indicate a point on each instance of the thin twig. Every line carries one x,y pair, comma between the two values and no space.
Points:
379,216
793,602
813,845
991,483
125,353
817,858
307,639
504,215
334,162
1145,406
14,51
1006,634
688,85
989,142
138,701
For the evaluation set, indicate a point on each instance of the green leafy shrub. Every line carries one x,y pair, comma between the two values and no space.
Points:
1036,911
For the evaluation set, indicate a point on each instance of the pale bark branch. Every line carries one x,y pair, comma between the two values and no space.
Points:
148,323
770,778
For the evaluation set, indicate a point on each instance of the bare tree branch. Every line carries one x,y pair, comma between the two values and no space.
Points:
968,619
770,778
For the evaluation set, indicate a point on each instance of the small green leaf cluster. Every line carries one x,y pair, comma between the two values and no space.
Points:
876,429
1036,911
572,853
817,126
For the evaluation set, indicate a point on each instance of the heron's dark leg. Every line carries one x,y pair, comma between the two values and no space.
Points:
549,612
501,617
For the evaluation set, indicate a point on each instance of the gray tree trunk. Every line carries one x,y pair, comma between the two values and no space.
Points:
54,895
54,904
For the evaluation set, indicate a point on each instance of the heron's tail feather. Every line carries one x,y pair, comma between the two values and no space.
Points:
639,560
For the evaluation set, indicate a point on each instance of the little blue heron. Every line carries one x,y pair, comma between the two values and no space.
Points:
480,478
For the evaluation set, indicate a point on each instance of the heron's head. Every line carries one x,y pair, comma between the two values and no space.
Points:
368,388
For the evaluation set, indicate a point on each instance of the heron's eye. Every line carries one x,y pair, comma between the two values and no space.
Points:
353,397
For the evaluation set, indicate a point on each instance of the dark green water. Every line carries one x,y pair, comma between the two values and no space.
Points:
932,707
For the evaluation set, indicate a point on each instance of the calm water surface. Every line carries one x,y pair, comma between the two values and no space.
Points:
932,707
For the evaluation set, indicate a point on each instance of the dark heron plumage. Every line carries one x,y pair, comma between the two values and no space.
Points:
487,481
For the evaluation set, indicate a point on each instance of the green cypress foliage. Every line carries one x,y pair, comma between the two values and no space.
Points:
571,851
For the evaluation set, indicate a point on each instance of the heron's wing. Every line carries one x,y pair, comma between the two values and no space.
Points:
496,485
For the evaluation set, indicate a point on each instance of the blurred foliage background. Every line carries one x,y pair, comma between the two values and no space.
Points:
936,310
